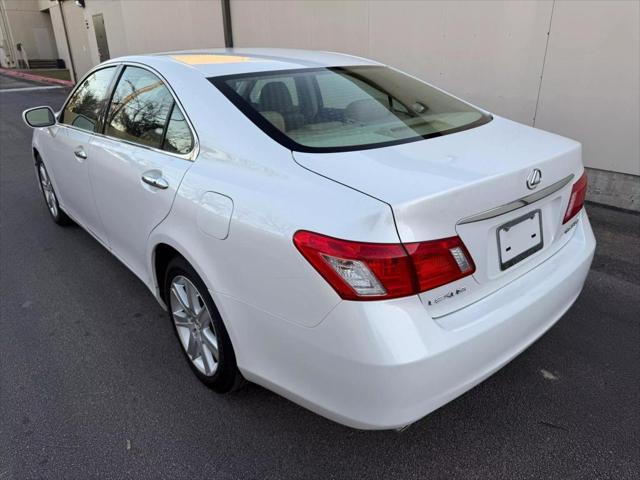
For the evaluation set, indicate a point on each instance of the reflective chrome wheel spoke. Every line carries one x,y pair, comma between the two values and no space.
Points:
210,342
202,317
193,299
47,188
194,347
194,325
178,292
181,319
208,360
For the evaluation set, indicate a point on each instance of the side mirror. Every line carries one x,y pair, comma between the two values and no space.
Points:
39,117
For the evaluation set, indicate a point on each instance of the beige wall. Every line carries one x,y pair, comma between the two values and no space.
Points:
490,52
78,37
582,80
61,45
135,26
143,26
26,24
591,83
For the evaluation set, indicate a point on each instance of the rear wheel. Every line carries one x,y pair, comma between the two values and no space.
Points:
199,328
50,197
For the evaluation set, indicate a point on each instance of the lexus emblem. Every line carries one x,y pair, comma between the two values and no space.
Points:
534,179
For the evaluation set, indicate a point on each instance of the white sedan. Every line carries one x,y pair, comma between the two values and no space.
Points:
342,233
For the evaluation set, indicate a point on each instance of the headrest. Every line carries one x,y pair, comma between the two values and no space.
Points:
275,96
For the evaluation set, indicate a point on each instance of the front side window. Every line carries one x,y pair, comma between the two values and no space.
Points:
85,106
139,109
346,108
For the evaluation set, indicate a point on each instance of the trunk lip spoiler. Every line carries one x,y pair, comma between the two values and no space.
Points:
519,203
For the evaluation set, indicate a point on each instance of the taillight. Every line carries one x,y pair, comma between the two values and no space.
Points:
576,201
373,271
440,262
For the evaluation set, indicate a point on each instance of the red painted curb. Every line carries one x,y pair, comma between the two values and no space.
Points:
36,78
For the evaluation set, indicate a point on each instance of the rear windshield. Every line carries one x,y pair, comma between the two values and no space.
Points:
346,108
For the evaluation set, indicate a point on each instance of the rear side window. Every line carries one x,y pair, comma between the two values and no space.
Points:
143,111
140,108
178,137
85,106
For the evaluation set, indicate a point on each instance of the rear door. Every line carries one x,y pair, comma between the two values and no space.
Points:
138,163
69,155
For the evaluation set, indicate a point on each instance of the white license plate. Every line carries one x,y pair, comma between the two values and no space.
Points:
520,238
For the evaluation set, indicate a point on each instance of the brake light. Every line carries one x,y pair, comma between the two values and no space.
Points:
440,262
576,201
373,271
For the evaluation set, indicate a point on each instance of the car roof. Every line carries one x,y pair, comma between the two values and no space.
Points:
229,61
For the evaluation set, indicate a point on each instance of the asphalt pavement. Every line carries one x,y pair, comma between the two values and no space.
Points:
93,385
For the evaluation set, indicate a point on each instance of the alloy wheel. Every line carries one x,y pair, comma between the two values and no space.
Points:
194,325
47,189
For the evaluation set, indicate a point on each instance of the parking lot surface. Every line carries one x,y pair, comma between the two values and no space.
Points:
92,382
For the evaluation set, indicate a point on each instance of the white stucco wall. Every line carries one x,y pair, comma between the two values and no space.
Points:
141,26
591,83
27,25
568,66
491,53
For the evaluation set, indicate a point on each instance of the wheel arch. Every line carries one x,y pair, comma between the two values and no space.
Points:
162,255
37,158
164,249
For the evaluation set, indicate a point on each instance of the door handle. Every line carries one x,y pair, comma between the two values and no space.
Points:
80,153
155,181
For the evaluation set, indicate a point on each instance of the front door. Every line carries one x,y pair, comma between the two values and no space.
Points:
137,166
71,152
67,164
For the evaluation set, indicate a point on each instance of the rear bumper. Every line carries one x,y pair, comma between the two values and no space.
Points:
381,365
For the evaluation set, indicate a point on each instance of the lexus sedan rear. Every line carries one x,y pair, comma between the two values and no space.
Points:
342,233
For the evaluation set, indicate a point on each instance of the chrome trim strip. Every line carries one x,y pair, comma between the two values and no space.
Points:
190,157
516,204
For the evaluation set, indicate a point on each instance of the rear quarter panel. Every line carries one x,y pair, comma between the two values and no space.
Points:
273,197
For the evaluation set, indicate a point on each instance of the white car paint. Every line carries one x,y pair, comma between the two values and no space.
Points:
234,204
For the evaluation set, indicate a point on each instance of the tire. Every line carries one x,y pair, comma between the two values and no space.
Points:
197,323
50,197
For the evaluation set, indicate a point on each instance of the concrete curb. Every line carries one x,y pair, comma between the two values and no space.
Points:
614,189
36,78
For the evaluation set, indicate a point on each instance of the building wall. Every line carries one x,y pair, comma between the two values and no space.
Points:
26,24
583,82
138,26
591,83
570,67
58,32
78,39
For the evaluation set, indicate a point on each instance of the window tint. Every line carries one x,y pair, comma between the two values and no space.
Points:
84,108
178,137
347,108
139,108
282,86
338,93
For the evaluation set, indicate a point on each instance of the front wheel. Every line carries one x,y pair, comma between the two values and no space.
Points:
199,328
50,197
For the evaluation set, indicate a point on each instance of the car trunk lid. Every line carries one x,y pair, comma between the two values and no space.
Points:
469,184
